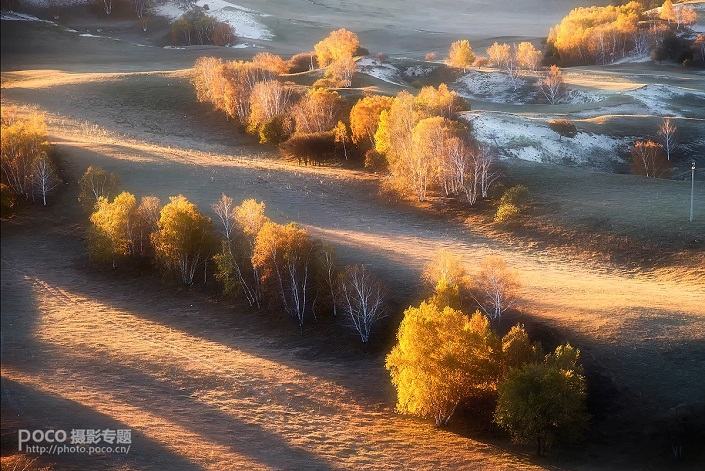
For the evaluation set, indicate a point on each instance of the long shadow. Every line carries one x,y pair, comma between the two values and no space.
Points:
27,408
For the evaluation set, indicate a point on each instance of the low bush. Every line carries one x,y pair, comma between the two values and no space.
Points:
313,148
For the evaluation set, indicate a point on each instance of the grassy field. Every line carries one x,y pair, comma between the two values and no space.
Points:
201,381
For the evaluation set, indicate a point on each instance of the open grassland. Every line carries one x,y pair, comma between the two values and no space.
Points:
207,385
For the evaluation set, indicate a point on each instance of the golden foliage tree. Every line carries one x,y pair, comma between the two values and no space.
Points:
649,159
439,102
441,358
553,86
461,55
184,239
528,56
318,111
365,117
340,44
271,62
23,143
269,100
341,72
96,183
285,257
113,228
667,11
597,34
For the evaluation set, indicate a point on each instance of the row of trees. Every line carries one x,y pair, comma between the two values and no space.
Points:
512,60
281,266
28,172
445,358
418,139
605,34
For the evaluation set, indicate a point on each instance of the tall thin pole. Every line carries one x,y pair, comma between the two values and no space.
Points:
692,188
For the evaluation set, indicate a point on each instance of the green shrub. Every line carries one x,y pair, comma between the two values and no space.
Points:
273,131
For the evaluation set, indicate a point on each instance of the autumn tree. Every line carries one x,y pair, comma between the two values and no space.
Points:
667,12
239,226
328,263
342,137
667,132
528,56
698,48
341,72
504,57
446,274
553,86
269,100
518,349
364,118
269,61
362,298
184,239
340,44
113,222
441,358
649,159
393,137
285,257
94,184
543,402
685,16
460,54
23,144
317,111
439,102
496,285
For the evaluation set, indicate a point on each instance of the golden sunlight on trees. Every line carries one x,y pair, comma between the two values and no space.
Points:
649,159
285,257
460,54
518,349
340,73
184,240
239,226
96,183
528,56
362,297
317,111
269,100
553,86
496,286
365,116
339,45
667,13
271,62
23,150
442,357
541,403
342,137
113,223
439,102
504,57
597,34
447,276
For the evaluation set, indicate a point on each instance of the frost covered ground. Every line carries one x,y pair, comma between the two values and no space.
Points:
531,139
380,70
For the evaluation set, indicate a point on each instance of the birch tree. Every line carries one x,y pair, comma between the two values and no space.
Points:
553,86
497,287
362,298
667,131
94,184
45,177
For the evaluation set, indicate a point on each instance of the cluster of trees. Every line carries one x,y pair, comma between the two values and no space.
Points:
336,53
28,171
197,27
264,262
445,358
603,35
423,144
652,159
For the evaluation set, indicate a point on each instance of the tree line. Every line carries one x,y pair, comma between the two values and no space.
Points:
601,35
